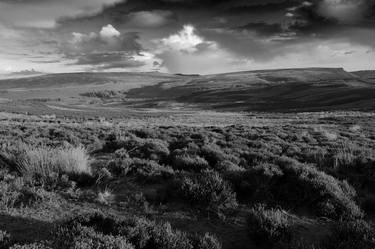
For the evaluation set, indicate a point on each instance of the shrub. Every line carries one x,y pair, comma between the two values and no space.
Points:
331,197
208,189
63,135
142,168
17,194
99,229
354,234
255,158
104,94
228,166
256,184
38,245
4,240
82,237
189,163
213,154
45,161
269,226
152,149
120,167
208,241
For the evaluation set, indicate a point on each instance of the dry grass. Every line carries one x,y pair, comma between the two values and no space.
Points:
45,161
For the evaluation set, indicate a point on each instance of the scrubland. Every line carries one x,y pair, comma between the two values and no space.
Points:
280,182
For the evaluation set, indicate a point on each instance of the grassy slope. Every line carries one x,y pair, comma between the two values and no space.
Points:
279,90
309,89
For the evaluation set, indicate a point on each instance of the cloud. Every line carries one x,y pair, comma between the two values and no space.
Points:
345,11
204,36
26,72
263,29
108,39
109,32
185,40
107,49
187,52
44,13
320,13
149,19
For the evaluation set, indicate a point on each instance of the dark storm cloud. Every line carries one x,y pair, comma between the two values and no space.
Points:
263,28
322,14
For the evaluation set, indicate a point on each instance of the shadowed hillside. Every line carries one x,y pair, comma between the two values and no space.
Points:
366,74
309,89
275,90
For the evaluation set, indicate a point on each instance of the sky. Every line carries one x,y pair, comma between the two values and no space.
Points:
184,36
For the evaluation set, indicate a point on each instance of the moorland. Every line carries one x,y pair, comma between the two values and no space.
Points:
261,159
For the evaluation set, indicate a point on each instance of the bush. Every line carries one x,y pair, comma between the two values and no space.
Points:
269,226
45,161
256,184
32,246
228,166
152,149
208,241
120,167
17,194
255,158
4,240
82,237
294,185
327,195
213,154
189,163
101,230
208,189
139,167
354,234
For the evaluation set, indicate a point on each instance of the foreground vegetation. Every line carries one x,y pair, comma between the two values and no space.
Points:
301,185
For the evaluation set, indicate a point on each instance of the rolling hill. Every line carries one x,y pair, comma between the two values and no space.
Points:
288,90
308,89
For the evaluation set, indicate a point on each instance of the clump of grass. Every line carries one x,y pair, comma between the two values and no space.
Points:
43,161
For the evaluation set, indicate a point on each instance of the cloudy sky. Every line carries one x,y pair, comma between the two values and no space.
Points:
185,36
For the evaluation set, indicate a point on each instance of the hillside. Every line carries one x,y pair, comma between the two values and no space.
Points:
308,89
366,74
272,90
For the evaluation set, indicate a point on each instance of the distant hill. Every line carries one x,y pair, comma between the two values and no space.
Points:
306,89
367,74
